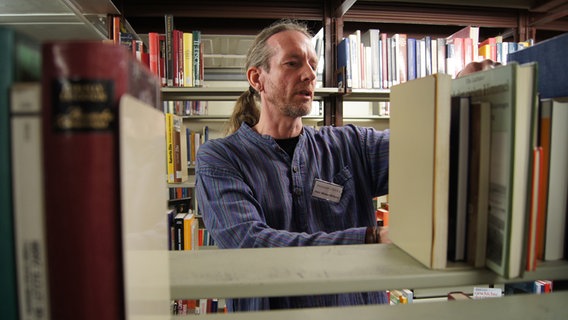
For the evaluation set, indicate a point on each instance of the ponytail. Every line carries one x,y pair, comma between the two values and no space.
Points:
246,110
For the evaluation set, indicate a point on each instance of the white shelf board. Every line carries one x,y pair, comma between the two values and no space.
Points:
320,270
534,307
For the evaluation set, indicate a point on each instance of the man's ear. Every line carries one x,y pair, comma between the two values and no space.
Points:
253,76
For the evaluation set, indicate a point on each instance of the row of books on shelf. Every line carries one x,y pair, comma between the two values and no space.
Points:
187,107
492,179
175,56
374,59
184,307
182,145
186,231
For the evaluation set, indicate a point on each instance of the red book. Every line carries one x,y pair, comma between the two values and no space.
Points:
154,52
81,87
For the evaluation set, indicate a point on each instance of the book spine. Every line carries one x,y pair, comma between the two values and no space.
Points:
170,147
188,59
169,22
81,88
196,58
27,175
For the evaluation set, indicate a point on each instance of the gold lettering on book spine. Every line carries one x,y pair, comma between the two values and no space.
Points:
79,115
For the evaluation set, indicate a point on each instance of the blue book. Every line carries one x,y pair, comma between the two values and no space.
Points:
344,61
411,55
552,70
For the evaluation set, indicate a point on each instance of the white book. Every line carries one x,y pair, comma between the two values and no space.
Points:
29,210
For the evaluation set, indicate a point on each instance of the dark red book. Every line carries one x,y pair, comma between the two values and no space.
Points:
81,87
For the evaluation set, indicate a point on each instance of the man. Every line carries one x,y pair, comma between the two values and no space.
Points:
275,183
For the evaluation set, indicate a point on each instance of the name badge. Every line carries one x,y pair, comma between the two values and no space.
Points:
327,190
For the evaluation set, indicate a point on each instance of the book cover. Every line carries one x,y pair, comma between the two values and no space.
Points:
511,90
418,186
557,201
82,84
27,177
552,69
142,205
20,60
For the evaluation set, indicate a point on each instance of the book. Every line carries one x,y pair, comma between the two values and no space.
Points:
532,231
552,69
344,64
83,84
557,201
179,232
170,64
170,154
190,232
459,155
478,183
511,91
20,60
370,38
142,206
27,177
418,189
154,52
188,59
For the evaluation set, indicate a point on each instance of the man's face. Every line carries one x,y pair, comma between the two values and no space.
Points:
289,86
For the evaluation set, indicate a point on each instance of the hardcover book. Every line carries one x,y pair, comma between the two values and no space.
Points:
419,168
82,85
552,70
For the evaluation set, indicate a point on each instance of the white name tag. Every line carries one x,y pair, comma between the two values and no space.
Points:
327,190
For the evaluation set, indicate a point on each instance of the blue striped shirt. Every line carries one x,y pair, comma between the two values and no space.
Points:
253,195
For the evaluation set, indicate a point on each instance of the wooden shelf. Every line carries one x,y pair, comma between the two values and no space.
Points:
232,93
223,93
321,270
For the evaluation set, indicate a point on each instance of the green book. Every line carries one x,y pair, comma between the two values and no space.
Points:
20,60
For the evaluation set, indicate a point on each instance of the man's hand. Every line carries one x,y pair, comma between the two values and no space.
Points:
477,66
377,235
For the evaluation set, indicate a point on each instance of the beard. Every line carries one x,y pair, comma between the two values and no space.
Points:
296,110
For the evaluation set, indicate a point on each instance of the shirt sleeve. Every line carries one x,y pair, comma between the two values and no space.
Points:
233,216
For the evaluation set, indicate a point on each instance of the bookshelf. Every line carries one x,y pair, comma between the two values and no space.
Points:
323,269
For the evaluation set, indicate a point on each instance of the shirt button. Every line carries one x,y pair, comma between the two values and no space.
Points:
295,169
